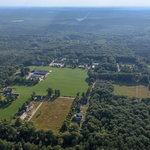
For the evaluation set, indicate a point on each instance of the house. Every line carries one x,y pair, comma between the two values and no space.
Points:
41,72
93,67
95,64
36,76
38,97
7,91
79,117
57,63
81,66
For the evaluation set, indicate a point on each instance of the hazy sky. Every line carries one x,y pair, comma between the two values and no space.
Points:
74,2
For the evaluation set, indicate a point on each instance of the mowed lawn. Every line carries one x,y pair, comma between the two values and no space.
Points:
68,81
132,91
51,115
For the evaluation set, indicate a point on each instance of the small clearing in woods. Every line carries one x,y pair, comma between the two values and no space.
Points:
139,91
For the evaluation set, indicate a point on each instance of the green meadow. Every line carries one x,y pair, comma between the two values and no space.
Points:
139,91
51,115
68,81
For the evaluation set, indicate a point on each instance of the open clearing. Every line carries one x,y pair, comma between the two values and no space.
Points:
132,91
68,81
51,115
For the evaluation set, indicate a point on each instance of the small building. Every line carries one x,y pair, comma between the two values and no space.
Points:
96,64
79,117
41,72
38,97
81,66
93,67
7,91
36,76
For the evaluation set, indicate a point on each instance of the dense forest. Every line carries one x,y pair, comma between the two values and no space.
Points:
112,43
106,35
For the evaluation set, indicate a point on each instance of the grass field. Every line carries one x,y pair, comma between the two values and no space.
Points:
51,115
68,81
132,91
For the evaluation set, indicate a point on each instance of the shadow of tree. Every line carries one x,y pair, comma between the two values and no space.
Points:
4,105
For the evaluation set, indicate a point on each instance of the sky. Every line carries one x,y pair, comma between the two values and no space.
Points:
62,3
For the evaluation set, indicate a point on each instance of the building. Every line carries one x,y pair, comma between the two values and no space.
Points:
36,76
39,74
81,66
7,91
79,117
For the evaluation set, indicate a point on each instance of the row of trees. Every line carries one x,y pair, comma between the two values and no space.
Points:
19,135
53,94
70,115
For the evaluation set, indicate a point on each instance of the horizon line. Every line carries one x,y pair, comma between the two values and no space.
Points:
75,6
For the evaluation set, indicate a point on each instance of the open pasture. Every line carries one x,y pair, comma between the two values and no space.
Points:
51,115
139,91
68,81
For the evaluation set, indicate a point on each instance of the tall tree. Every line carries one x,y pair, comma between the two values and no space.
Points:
49,92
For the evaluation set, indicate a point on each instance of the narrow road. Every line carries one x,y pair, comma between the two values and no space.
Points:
67,97
35,110
84,108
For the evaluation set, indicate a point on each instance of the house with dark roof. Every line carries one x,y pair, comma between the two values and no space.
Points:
38,97
41,72
79,117
36,76
7,91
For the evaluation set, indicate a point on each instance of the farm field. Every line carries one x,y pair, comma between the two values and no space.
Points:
68,81
132,91
51,115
